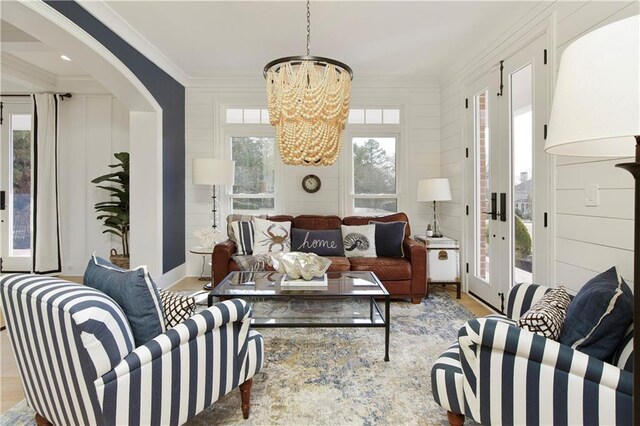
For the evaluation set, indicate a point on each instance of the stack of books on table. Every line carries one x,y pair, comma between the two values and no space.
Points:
315,283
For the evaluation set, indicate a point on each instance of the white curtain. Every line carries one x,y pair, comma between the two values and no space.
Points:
46,218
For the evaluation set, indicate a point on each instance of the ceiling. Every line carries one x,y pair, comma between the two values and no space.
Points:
237,38
222,38
21,45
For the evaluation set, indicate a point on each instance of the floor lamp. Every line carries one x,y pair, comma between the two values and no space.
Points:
434,190
208,171
596,113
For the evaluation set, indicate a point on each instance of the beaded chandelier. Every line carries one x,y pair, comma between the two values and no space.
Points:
308,100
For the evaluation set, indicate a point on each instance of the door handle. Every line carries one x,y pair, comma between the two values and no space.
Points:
503,207
494,202
3,203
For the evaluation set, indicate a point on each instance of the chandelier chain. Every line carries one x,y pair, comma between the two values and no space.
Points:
308,28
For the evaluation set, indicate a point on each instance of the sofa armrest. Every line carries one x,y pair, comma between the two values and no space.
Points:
216,345
538,376
216,316
416,252
222,253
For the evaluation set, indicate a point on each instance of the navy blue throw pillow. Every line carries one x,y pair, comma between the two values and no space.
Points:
389,238
134,291
598,316
323,242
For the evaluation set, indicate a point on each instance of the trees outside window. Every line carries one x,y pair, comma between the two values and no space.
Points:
374,175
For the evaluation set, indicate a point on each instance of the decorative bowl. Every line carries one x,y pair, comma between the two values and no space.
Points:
300,265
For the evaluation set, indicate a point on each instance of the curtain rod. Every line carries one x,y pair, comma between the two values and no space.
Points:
22,95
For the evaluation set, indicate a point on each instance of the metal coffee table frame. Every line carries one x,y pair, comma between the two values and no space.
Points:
238,285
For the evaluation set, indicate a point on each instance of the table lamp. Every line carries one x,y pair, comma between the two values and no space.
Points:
209,171
434,190
596,113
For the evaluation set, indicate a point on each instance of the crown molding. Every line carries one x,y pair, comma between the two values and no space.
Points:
103,12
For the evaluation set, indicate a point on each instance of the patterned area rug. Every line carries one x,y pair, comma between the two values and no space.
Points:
338,376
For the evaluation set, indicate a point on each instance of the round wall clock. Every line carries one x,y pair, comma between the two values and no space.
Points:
311,183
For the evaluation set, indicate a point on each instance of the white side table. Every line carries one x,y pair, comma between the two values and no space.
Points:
204,252
443,261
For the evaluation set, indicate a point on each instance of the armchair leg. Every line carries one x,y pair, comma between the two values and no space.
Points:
416,300
455,419
245,395
41,421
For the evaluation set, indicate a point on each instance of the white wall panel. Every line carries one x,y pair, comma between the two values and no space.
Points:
92,129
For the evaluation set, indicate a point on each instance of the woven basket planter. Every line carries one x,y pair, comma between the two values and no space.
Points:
119,260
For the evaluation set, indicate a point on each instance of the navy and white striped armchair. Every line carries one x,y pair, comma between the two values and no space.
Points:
78,363
497,373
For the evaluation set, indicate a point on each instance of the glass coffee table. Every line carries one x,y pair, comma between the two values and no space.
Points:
302,307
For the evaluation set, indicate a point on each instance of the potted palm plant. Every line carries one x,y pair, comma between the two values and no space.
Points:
115,212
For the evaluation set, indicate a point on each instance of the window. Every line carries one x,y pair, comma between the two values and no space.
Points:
374,175
20,183
247,116
254,187
374,116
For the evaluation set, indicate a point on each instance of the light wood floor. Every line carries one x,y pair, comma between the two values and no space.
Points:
11,387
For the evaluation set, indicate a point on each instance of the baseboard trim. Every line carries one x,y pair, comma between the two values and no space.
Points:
172,277
484,302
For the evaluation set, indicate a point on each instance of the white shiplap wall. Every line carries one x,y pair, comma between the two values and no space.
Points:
588,240
92,128
418,99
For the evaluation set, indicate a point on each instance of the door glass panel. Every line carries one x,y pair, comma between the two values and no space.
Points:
481,129
20,184
522,177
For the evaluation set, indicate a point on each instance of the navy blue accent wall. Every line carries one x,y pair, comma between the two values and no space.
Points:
170,95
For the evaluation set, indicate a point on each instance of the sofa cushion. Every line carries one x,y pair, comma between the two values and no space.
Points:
363,220
323,242
599,316
385,268
134,291
359,241
271,237
309,221
242,235
389,238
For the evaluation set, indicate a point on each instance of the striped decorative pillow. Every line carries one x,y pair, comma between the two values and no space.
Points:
243,237
547,316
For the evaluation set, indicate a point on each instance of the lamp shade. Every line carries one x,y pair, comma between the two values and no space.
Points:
596,105
208,171
434,190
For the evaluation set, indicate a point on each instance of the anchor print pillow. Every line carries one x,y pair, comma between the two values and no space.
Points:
271,237
359,241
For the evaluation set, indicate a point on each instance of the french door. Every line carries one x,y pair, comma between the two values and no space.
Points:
15,186
507,180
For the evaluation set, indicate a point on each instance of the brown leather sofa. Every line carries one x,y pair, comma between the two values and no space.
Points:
402,277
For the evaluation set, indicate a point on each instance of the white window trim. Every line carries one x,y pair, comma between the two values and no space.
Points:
346,165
